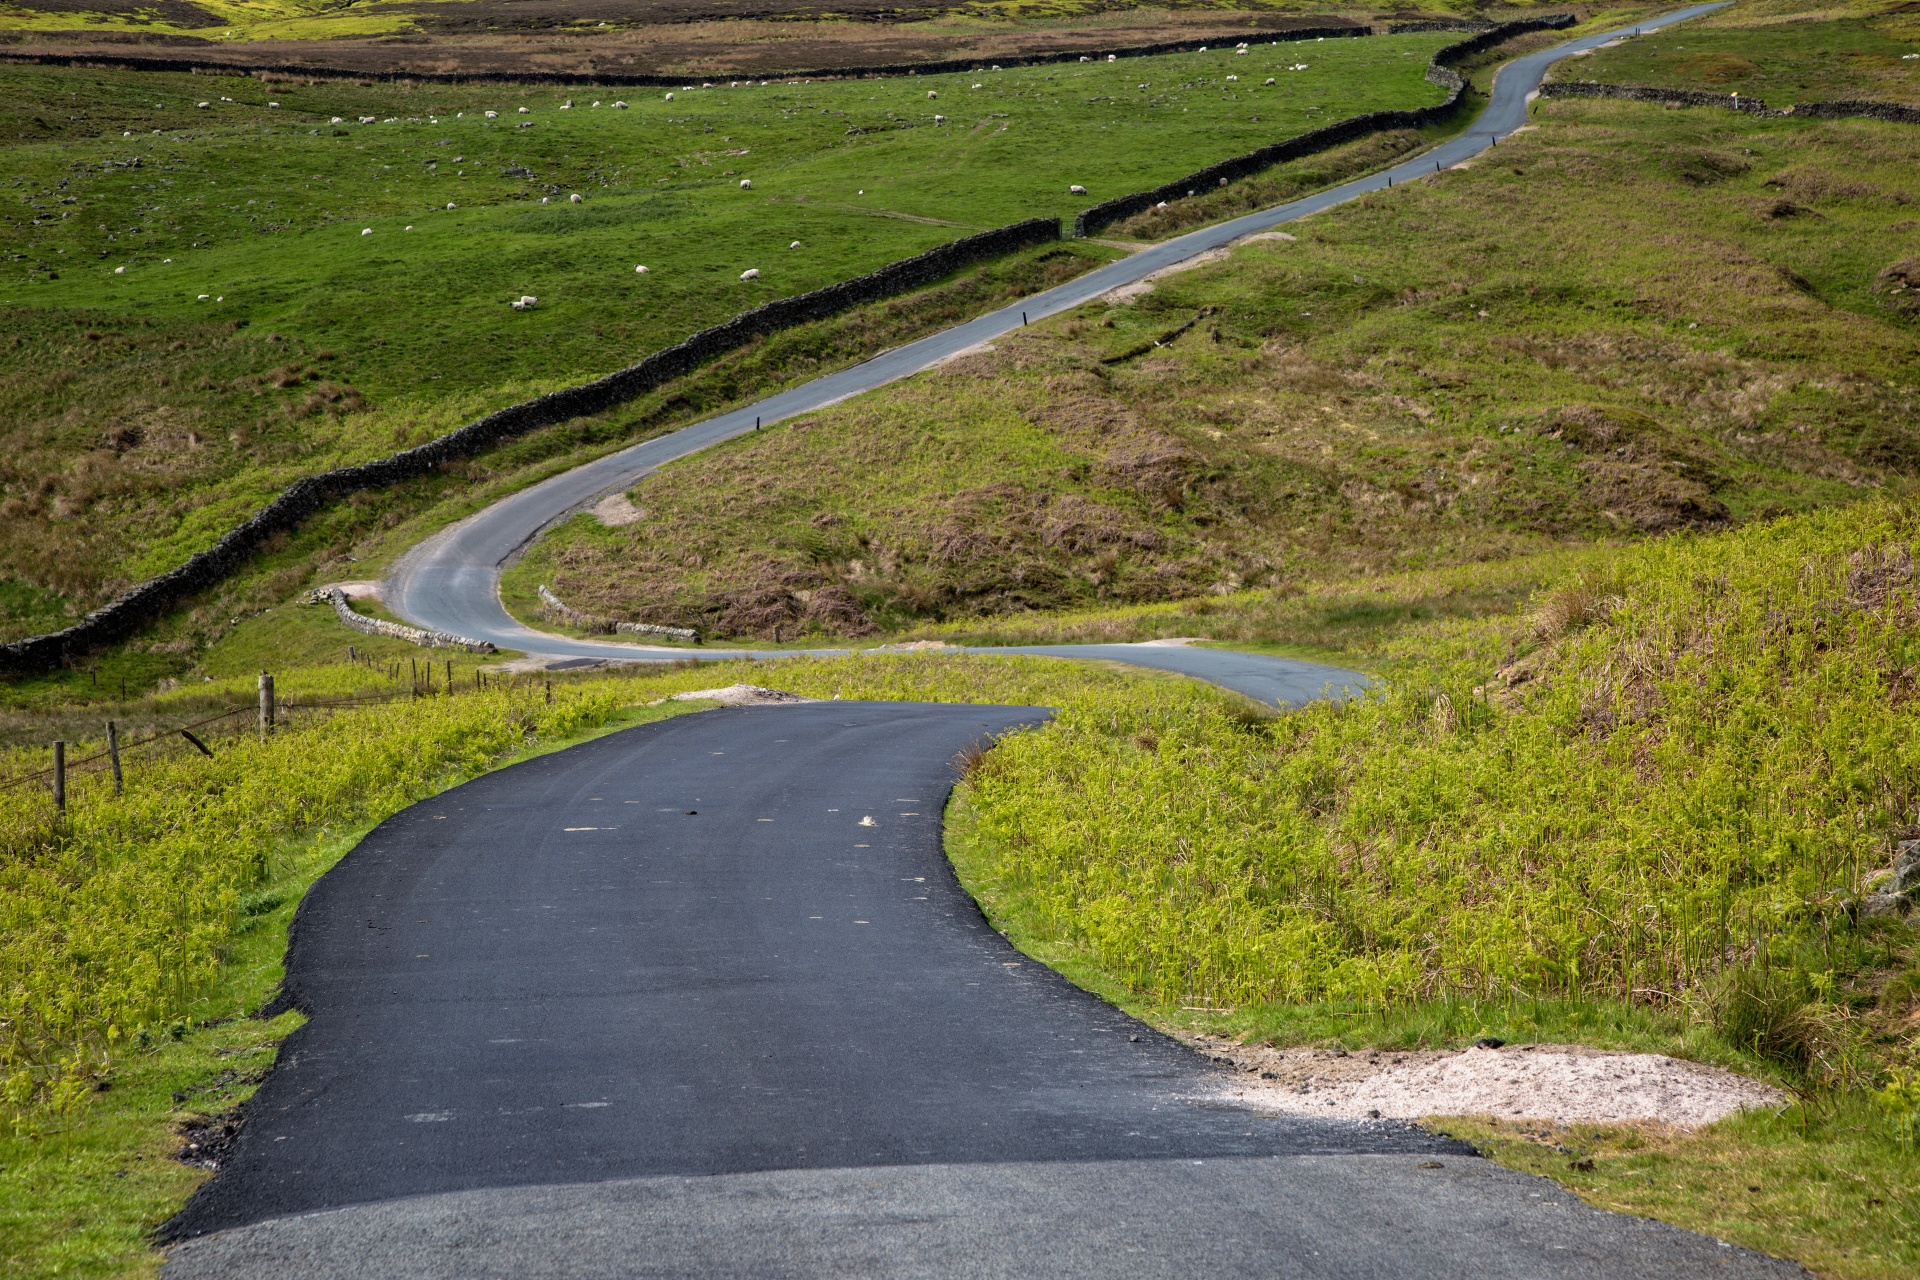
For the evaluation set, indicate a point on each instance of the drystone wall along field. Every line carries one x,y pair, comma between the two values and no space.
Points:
1325,139
140,606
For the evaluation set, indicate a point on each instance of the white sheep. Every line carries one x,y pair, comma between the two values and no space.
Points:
746,184
1233,77
751,273
574,198
669,99
640,270
794,245
939,119
202,105
1161,205
525,303
1077,189
337,120
619,106
932,93
567,105
449,204
543,199
493,115
596,104
1269,79
274,105
1083,60
119,271
979,86
366,231
1113,57
1242,51
524,111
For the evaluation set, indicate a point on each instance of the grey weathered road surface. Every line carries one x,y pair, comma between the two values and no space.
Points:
451,581
703,998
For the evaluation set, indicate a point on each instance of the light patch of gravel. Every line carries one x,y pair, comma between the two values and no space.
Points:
741,695
616,510
1563,1084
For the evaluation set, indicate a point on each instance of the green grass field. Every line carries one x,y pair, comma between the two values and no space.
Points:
1747,51
1679,319
348,310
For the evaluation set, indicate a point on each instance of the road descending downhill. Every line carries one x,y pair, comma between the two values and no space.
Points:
451,581
704,998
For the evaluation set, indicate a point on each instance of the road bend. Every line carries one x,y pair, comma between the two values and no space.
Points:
452,581
703,998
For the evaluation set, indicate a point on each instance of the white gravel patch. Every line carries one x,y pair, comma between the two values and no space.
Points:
741,695
1564,1084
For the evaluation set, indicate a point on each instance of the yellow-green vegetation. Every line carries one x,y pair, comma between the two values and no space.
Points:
1780,53
139,934
1675,320
1636,814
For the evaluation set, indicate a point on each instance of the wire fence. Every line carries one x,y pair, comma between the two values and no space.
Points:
268,715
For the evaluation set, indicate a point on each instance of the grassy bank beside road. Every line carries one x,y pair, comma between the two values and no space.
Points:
1635,814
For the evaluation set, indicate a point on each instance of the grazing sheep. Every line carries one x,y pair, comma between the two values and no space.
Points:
669,99
524,111
1161,205
119,271
366,231
274,105
574,198
932,94
567,105
1241,50
449,204
493,115
543,199
337,120
979,86
1113,57
746,184
794,245
1083,60
751,273
1077,189
525,302
1233,77
939,119
640,270
619,106
1269,79
202,105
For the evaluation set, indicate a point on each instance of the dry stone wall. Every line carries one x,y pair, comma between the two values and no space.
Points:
151,599
1440,72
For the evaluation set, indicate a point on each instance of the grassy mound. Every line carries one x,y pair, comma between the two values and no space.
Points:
1675,320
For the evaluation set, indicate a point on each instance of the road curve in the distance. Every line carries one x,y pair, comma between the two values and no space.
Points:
451,581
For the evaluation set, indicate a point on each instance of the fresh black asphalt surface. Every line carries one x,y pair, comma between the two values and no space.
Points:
704,998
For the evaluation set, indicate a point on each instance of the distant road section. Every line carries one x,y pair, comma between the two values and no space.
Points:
451,582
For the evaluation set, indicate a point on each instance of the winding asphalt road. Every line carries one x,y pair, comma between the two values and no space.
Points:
703,998
452,581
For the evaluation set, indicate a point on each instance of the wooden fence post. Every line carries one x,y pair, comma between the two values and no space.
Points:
266,705
113,754
60,776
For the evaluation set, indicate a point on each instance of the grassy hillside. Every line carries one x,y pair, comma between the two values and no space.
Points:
203,303
1773,53
1627,320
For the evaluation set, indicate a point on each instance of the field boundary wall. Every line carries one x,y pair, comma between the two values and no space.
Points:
1340,132
145,603
1840,110
947,66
